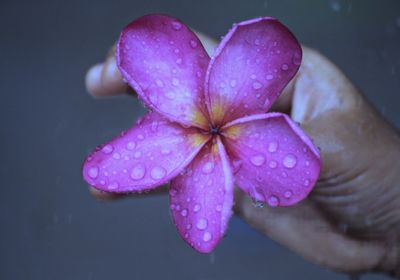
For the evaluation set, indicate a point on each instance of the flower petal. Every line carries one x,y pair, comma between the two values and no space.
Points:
144,157
276,162
251,66
165,63
202,198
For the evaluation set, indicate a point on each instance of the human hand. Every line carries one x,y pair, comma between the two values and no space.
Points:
351,221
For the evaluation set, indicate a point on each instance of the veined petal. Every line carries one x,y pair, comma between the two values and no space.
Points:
276,162
202,198
165,63
251,66
144,157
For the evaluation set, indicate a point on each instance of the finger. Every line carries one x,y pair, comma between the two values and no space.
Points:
304,230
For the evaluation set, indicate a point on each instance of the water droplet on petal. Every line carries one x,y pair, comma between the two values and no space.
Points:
176,25
207,236
159,83
173,192
257,85
257,160
196,208
208,167
296,58
273,201
165,151
116,155
170,94
138,172
270,77
273,164
140,136
289,161
137,154
158,173
131,145
307,163
107,149
193,44
113,186
201,224
285,67
288,194
306,183
272,147
93,172
218,208
175,81
236,164
179,61
233,83
253,76
184,212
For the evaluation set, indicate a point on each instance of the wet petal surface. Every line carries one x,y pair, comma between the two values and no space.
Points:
165,63
143,157
202,197
252,65
276,162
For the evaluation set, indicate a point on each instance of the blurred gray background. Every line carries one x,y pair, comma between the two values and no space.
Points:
51,228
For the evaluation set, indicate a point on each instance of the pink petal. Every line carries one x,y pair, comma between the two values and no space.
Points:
251,66
165,63
202,197
144,157
276,162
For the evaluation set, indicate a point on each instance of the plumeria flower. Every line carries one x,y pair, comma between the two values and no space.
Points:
207,128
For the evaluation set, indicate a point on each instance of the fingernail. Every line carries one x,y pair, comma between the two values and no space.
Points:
93,79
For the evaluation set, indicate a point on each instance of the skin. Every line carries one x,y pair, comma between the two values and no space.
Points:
351,220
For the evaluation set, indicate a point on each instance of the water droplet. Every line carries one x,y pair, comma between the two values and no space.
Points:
176,25
170,95
307,163
158,173
208,167
173,192
257,42
93,172
253,76
306,183
201,224
270,77
138,172
175,82
273,201
172,206
296,58
140,136
257,85
273,164
137,154
176,51
272,147
196,208
188,226
233,83
284,67
159,83
184,212
218,208
288,194
107,149
236,164
257,160
113,186
116,155
193,44
165,151
207,236
258,204
289,161
179,61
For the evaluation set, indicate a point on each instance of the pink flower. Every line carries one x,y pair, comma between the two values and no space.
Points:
207,128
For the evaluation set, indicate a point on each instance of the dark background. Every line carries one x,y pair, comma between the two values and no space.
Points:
51,228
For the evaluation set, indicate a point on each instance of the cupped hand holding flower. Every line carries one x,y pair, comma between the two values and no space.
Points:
207,129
